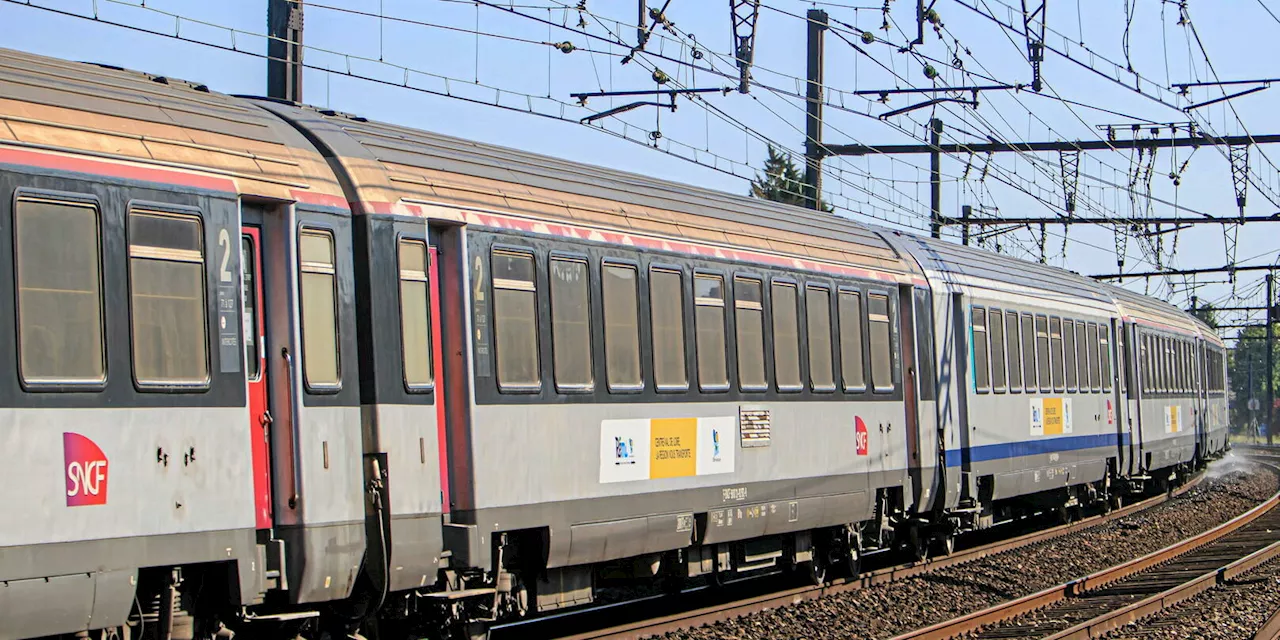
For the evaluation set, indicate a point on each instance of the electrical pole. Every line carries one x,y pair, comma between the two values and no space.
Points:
965,212
813,152
284,50
1270,342
935,177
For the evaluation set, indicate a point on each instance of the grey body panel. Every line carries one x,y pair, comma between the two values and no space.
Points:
540,466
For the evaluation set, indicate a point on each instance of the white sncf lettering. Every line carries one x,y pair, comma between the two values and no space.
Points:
86,478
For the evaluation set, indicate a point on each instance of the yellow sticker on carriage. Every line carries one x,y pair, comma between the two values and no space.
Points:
1171,419
1050,416
673,442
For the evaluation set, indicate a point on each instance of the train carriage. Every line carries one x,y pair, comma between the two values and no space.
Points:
1027,385
141,448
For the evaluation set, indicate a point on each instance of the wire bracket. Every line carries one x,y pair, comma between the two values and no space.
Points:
1033,25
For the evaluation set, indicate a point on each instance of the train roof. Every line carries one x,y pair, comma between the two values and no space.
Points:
132,119
399,170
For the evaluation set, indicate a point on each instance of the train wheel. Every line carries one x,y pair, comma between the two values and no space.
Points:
815,570
946,544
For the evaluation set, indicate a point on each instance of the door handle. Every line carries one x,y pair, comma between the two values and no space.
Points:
265,419
293,428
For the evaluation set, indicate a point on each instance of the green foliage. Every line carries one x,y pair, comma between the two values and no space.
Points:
782,181
1207,314
1247,365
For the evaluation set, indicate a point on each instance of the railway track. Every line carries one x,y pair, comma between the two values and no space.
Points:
1092,606
702,607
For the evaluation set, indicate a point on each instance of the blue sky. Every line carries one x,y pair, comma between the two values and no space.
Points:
1239,36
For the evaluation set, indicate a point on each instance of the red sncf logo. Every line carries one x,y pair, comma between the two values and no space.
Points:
860,433
86,468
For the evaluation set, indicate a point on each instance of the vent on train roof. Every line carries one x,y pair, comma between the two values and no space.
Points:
341,114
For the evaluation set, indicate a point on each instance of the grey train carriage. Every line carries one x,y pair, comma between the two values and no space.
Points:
344,375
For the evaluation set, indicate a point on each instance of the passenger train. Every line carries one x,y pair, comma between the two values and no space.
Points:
275,367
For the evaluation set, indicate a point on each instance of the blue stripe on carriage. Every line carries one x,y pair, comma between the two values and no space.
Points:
1006,450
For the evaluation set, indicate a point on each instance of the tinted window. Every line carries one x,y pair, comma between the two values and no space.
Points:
515,308
996,320
1082,356
666,311
1071,353
1055,351
56,251
166,291
1042,352
415,314
852,365
1028,352
818,324
571,323
881,349
1095,376
249,294
786,337
1013,343
709,320
621,327
981,366
749,315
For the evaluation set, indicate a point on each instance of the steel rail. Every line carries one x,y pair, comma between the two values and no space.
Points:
725,611
1270,629
1094,627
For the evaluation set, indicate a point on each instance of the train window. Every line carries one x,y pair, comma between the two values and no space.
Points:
996,320
570,285
1055,352
249,294
1095,376
666,312
1069,350
1082,356
708,301
166,296
57,254
1148,384
622,327
853,368
1123,360
1013,348
817,302
981,366
415,315
786,336
748,304
881,351
1028,353
1104,356
1042,352
515,312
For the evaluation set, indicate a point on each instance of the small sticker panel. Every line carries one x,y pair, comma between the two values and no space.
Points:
1037,416
716,438
1050,416
756,427
229,353
1172,419
673,442
648,449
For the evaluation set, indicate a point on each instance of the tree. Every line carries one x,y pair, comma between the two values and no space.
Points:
782,181
1207,314
1246,371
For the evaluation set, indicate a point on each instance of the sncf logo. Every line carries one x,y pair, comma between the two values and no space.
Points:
86,468
863,442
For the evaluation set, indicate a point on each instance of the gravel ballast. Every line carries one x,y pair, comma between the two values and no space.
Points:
883,611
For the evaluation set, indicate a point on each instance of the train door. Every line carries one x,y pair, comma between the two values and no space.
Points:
255,368
437,360
1137,356
919,395
1117,410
